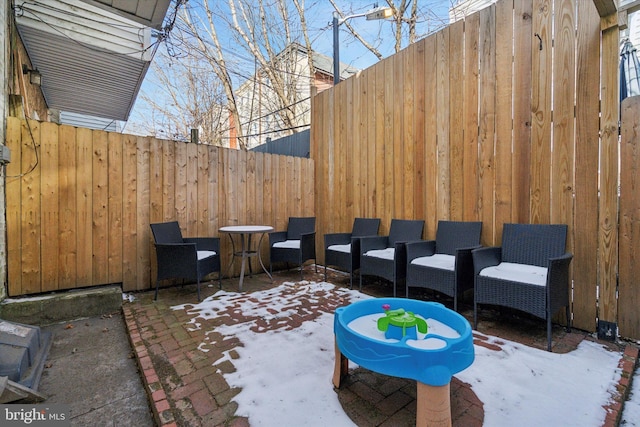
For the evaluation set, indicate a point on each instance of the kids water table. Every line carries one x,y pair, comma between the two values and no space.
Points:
401,350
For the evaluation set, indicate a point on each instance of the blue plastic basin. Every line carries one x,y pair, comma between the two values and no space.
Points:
433,367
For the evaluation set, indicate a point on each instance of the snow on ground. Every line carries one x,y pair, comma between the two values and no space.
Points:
285,374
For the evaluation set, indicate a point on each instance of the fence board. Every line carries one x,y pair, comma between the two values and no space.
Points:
30,218
340,131
470,120
100,217
522,82
191,190
214,196
541,76
486,117
129,215
409,132
629,300
349,166
419,196
431,135
369,141
84,200
156,179
562,178
608,219
563,113
168,180
503,168
280,188
67,227
50,207
180,188
456,131
267,193
114,206
251,204
360,157
143,218
380,148
443,198
398,175
14,206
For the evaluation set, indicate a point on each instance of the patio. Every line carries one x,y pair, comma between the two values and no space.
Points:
187,389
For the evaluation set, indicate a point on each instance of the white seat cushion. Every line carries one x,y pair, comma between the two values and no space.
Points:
522,273
341,248
205,254
288,244
440,261
387,253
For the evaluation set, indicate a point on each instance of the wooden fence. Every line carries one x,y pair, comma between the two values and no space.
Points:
508,116
79,202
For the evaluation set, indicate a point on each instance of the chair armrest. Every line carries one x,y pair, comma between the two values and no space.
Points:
355,248
420,248
558,277
400,260
373,242
464,266
308,245
336,239
277,236
205,243
465,254
485,257
470,248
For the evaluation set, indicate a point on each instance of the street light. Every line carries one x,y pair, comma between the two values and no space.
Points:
373,14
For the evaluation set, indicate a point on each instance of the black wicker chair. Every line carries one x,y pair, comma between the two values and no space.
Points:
386,256
184,258
295,245
537,284
445,264
343,249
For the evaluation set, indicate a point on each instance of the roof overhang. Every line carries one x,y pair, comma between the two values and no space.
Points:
150,13
92,61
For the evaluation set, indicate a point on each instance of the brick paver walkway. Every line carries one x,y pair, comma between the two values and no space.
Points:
183,363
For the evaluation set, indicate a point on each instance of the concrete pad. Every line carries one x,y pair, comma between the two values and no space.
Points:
90,368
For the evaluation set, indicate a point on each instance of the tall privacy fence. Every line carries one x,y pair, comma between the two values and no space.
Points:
508,116
80,201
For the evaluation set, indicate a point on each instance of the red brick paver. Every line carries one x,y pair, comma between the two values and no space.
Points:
183,365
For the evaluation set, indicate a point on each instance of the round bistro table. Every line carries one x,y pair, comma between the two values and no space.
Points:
245,232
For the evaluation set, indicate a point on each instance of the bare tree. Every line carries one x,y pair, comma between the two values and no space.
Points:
262,31
233,65
192,98
412,20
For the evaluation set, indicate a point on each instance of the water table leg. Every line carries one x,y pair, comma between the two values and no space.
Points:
433,406
341,367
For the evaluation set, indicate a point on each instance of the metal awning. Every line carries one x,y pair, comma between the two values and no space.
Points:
92,61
